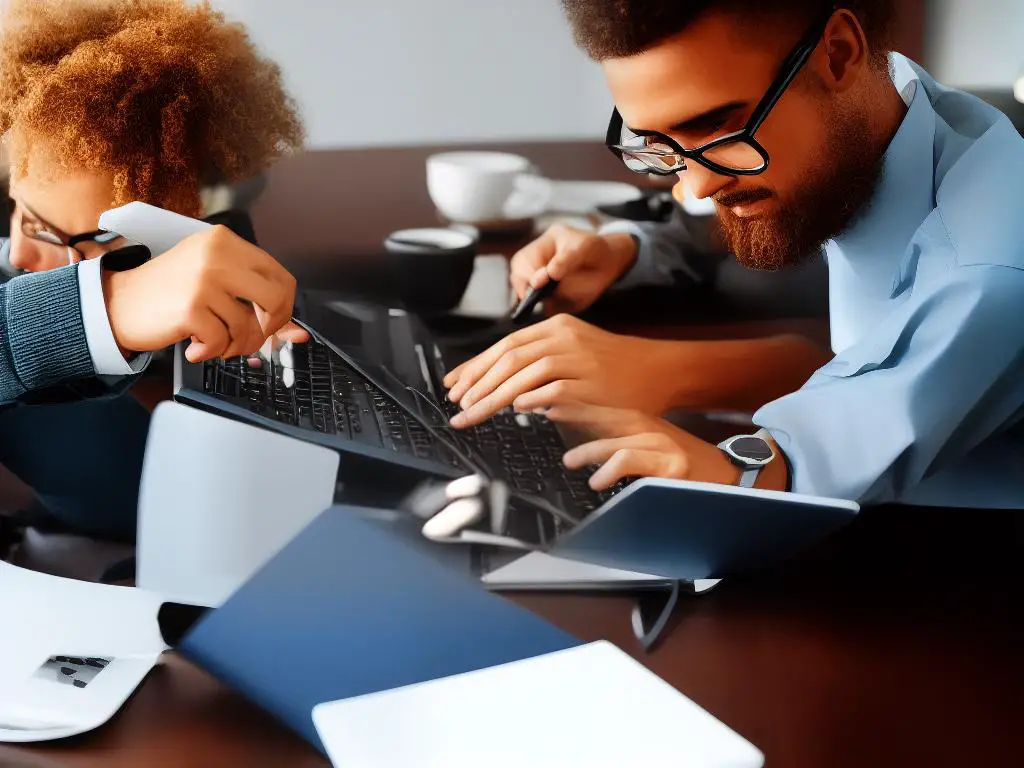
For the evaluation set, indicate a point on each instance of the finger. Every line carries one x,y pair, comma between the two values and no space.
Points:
244,259
209,337
255,277
571,250
293,333
254,257
543,399
244,331
606,420
530,377
633,462
519,284
523,271
507,366
271,297
540,278
466,375
273,319
455,373
534,256
566,261
600,451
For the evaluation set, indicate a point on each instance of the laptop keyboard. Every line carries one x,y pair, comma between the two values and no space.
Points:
324,393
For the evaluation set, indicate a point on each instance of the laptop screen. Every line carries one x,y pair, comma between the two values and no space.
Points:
382,343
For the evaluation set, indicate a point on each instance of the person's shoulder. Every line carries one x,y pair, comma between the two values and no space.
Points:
981,289
976,261
981,200
979,162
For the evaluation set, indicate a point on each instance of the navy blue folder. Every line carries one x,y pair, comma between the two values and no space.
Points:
347,609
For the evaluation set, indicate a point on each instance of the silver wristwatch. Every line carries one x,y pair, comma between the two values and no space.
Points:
751,453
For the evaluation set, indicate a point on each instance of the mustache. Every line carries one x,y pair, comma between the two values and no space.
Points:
745,197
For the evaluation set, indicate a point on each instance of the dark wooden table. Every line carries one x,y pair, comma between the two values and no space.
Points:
323,206
896,643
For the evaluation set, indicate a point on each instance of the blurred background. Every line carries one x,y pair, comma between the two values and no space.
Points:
370,77
402,72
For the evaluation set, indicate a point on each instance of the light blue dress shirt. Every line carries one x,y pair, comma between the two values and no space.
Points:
923,401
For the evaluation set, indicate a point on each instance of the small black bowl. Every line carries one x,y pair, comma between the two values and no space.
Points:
430,268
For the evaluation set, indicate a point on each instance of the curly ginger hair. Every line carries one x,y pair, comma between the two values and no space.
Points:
164,95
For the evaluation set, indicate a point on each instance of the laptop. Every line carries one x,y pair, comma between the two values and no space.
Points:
384,424
369,385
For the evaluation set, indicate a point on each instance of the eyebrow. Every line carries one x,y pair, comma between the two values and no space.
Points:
709,118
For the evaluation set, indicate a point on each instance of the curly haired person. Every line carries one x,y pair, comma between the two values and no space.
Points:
103,103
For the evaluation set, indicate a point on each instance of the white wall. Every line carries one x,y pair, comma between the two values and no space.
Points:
372,72
976,43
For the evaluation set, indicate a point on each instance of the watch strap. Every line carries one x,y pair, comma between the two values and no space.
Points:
749,477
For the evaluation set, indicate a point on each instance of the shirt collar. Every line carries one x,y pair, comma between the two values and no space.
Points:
905,195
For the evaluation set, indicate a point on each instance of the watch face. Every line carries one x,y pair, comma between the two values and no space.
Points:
751,448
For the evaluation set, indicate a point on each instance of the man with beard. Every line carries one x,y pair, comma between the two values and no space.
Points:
807,133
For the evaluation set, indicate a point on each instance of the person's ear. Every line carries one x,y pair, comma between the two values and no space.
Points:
843,55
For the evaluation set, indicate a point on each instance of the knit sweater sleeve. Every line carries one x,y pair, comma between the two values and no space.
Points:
42,336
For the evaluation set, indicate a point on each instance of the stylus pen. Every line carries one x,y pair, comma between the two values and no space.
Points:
532,298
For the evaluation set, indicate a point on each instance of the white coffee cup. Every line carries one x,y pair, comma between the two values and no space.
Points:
485,186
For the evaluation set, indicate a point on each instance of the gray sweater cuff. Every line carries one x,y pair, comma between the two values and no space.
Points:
45,335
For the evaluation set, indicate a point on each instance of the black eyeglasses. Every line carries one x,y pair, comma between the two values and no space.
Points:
735,154
35,227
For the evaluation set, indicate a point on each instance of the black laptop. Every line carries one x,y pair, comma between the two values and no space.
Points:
374,393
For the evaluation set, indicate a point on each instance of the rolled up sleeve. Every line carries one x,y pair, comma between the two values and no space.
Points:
943,372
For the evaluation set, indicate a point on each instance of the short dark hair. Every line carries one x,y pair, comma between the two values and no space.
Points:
612,29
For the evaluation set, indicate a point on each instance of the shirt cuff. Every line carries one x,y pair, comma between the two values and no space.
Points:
639,272
107,359
657,259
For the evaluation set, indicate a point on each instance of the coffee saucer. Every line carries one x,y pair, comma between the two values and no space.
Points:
512,226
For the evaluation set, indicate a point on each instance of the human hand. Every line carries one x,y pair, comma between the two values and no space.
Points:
628,443
584,264
559,360
214,288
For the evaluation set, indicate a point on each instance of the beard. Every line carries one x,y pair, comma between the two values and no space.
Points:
837,192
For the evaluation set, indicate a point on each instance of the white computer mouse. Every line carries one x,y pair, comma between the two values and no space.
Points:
450,521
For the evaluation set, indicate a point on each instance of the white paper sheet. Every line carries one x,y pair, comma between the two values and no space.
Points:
72,652
587,707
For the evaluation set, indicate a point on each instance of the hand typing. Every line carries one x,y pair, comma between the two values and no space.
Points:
560,360
628,443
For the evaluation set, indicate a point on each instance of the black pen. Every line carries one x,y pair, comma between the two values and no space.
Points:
532,298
